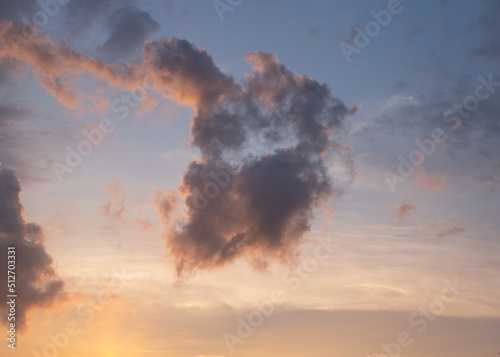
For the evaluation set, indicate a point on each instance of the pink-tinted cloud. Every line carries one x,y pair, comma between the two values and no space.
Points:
167,204
405,209
143,224
261,210
431,182
115,207
178,70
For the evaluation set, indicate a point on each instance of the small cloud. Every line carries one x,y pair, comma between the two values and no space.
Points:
412,34
450,232
115,207
404,210
446,228
167,204
143,224
400,87
488,182
313,33
430,182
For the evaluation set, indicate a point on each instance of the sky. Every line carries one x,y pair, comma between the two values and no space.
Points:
250,178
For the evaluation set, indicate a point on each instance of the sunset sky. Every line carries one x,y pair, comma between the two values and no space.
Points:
251,178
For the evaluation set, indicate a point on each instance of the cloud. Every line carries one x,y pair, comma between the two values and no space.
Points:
181,72
37,284
143,224
488,182
450,231
259,207
55,65
115,207
129,28
400,86
489,51
271,193
488,46
430,182
472,134
187,74
404,210
82,14
413,33
313,33
445,228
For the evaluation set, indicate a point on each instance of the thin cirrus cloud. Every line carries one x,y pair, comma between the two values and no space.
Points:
36,278
257,217
472,134
456,230
430,182
115,207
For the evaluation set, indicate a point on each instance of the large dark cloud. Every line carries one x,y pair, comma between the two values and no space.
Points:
81,15
187,73
129,27
263,204
276,133
37,284
125,27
